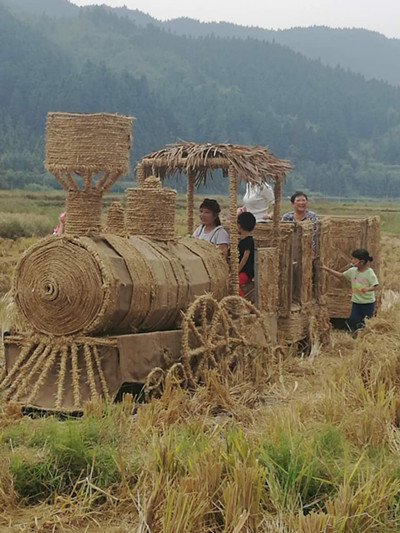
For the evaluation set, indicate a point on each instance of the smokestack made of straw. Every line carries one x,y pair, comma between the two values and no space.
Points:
82,143
150,210
79,148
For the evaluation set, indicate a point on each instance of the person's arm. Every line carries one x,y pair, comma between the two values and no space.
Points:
371,288
224,249
221,239
244,259
336,273
61,227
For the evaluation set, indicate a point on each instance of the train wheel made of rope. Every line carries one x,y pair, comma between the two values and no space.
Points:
246,327
205,337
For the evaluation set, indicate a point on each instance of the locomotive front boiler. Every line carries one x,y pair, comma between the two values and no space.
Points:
111,285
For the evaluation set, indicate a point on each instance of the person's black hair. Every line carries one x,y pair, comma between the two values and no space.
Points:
213,206
246,220
361,254
296,194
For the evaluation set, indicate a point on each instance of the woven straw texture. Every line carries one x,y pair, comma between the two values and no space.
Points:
83,212
264,237
302,256
296,326
267,279
88,142
150,210
255,164
62,286
338,237
116,219
65,285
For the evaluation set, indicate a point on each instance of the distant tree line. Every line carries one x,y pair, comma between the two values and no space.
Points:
340,132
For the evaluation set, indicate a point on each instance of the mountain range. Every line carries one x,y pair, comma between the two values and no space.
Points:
328,100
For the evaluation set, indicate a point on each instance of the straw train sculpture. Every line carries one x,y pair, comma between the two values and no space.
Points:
99,309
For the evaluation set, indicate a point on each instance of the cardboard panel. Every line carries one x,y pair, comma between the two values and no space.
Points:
142,352
46,397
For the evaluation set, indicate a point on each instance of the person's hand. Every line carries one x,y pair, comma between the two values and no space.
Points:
267,217
240,210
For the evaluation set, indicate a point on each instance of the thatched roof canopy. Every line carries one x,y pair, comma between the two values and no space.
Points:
253,164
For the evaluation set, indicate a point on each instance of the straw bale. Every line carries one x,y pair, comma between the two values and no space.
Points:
253,164
267,279
63,286
150,210
82,142
116,219
83,210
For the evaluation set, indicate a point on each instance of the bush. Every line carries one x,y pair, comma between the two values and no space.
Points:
14,226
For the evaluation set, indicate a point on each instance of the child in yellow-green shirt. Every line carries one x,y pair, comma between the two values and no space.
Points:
363,285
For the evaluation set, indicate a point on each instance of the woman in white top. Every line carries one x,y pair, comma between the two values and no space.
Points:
210,228
258,200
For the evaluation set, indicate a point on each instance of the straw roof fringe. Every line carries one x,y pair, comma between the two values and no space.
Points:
254,164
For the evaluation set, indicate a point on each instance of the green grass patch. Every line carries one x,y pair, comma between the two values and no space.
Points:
302,470
50,457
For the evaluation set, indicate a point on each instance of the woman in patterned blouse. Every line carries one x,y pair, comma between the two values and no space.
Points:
300,212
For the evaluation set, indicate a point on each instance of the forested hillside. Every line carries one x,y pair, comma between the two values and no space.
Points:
37,76
341,132
364,52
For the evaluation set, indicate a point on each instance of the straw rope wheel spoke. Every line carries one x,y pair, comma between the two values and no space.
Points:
205,337
245,323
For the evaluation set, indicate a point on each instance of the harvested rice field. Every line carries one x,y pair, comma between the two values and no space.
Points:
294,442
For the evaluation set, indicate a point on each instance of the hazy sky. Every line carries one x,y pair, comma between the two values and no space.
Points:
379,15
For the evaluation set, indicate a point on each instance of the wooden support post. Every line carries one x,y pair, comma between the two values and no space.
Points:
277,211
233,233
267,279
140,175
190,201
